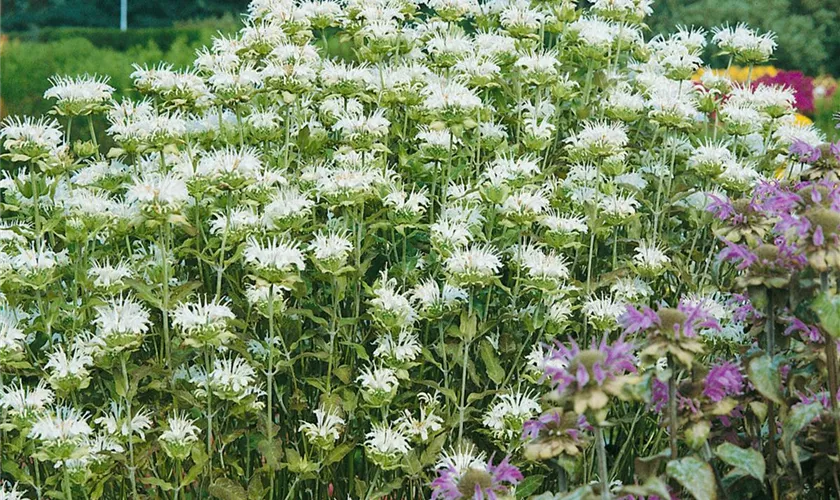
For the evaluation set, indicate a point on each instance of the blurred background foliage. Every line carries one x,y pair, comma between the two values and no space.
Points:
41,38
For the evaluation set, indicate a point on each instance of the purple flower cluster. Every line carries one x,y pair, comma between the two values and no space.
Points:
693,319
487,483
724,379
567,372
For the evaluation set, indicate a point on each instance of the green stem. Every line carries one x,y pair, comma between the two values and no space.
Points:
131,469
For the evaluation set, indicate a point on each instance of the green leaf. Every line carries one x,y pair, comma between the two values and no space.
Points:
746,459
226,489
797,419
695,475
338,453
160,483
272,452
491,363
765,377
827,308
529,486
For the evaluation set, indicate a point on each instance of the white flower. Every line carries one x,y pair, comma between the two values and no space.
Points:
61,425
158,193
450,97
462,459
326,429
598,139
179,437
10,492
287,204
232,379
403,349
378,379
510,411
391,309
386,444
106,276
449,233
525,205
276,254
602,311
239,220
744,43
11,335
650,258
473,265
31,137
330,249
119,423
434,300
69,371
204,322
121,323
617,206
407,205
84,89
422,427
24,402
230,165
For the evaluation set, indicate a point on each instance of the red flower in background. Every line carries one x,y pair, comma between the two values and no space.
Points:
803,87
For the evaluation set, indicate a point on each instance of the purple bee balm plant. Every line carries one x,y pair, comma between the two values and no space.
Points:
805,152
808,333
724,379
589,376
486,483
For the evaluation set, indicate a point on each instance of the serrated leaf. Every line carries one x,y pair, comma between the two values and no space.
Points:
491,363
695,475
746,459
765,377
226,489
529,486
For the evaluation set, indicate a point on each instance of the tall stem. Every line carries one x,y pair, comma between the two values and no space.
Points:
770,337
673,422
831,367
221,271
131,468
269,415
167,344
601,452
208,368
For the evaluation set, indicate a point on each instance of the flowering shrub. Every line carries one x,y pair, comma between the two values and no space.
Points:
507,249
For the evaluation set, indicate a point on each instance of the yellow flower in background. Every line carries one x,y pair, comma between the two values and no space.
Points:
740,74
803,120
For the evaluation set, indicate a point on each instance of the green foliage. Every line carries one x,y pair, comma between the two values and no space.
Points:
808,31
25,67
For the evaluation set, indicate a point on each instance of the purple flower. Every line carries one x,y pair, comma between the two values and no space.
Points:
567,372
834,148
807,332
636,320
739,254
689,318
805,152
723,380
476,483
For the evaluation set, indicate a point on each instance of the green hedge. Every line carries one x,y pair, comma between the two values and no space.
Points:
25,67
118,40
